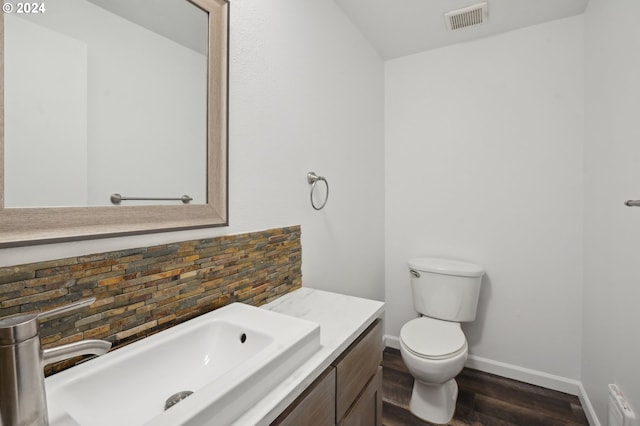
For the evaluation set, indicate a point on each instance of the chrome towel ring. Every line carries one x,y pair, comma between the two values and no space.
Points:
313,179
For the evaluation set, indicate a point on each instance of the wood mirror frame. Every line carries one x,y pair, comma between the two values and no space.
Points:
28,226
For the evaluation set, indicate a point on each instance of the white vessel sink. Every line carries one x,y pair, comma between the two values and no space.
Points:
229,358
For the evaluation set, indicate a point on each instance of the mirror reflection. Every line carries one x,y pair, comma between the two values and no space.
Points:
105,97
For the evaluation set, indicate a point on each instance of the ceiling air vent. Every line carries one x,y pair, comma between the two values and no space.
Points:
467,16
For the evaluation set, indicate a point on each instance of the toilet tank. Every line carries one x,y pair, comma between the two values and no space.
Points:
445,289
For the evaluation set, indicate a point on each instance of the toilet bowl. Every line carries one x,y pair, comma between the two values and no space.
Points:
433,347
434,352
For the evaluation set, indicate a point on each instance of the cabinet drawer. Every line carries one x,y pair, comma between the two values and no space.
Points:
356,366
316,406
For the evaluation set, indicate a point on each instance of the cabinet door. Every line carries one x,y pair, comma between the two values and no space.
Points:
367,410
316,406
356,366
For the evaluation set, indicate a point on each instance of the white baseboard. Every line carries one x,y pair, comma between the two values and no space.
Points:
587,407
391,341
527,375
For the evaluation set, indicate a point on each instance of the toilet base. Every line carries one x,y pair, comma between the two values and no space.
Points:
434,403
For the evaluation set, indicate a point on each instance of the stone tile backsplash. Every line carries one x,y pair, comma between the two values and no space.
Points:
145,290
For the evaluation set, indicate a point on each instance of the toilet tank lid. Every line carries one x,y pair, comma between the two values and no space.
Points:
446,266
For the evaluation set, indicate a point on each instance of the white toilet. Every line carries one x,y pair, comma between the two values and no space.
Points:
433,346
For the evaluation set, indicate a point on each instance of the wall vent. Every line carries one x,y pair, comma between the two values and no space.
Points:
467,16
619,413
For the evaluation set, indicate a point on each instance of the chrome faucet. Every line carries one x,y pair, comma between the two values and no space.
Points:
23,400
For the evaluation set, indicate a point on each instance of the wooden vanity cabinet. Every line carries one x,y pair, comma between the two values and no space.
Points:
349,392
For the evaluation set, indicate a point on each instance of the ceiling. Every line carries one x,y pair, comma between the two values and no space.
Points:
180,21
403,27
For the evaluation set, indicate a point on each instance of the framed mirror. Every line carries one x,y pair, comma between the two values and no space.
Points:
113,119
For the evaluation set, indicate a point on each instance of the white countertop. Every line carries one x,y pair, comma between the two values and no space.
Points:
341,318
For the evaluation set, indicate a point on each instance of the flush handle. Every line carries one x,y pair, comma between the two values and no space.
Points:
415,273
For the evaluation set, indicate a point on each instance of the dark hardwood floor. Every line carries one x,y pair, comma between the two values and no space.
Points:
483,399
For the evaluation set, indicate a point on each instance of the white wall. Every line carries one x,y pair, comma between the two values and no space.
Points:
306,93
484,163
611,343
45,129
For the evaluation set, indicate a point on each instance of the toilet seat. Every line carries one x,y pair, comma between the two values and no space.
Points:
430,338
